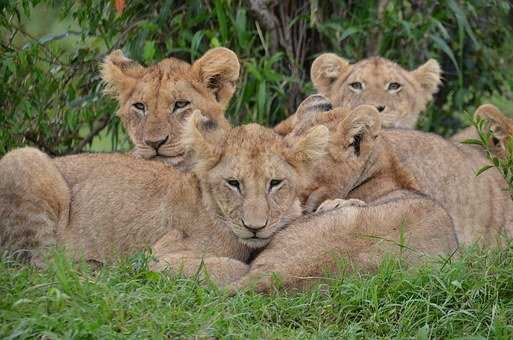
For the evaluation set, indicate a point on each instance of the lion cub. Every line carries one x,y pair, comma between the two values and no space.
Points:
398,94
422,197
497,122
361,152
155,101
243,189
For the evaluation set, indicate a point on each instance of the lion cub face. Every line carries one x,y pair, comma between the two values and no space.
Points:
250,176
399,95
155,101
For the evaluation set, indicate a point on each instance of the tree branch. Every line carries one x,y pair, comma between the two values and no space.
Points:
101,124
262,9
376,37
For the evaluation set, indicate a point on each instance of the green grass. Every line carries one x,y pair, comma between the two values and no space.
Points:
470,296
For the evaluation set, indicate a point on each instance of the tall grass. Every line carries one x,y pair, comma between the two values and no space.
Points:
468,296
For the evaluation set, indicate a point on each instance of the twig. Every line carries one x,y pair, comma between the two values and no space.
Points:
377,32
263,12
101,124
32,137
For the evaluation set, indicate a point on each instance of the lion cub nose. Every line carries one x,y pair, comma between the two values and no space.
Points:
156,143
254,225
380,108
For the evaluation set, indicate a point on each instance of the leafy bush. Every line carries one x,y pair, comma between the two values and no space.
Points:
51,93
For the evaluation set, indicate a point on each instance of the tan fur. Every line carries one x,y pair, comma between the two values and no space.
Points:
103,206
423,200
208,85
500,126
333,76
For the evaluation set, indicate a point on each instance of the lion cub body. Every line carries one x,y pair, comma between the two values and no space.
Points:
422,198
366,162
103,206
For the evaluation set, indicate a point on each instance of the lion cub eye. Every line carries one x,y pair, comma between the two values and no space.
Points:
180,104
139,106
394,86
356,86
234,184
275,183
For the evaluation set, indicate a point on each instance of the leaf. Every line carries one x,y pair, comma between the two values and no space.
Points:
462,21
221,19
241,28
149,50
348,32
423,333
152,276
254,70
441,28
483,169
446,49
196,42
261,97
214,42
472,141
456,283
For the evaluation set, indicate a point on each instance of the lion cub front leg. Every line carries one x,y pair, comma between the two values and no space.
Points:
315,199
172,252
222,270
338,203
319,201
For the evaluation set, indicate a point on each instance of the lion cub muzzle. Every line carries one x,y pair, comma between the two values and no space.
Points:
156,143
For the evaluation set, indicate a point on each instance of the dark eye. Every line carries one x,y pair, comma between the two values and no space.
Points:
394,86
356,85
180,104
139,106
233,183
274,183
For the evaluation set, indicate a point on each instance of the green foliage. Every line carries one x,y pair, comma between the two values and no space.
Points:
51,92
468,296
503,164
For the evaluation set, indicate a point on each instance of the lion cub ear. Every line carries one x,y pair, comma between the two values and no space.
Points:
311,106
500,125
326,69
429,77
218,69
309,147
358,130
306,115
202,139
120,73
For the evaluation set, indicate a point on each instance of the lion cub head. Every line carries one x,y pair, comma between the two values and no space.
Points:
250,176
399,95
500,126
353,134
155,101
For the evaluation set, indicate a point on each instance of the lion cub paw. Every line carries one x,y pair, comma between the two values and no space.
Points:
339,203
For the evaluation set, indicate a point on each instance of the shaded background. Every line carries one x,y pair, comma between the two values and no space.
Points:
51,94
